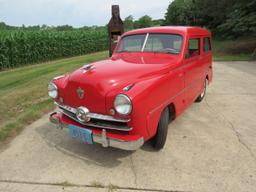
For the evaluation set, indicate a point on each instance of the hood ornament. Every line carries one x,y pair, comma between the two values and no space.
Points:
87,68
80,92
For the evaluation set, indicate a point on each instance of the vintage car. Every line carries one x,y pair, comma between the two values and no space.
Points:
130,98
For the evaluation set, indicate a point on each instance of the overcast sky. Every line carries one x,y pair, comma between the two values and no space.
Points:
75,12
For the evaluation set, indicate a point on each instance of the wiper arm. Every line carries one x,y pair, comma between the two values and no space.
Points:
169,50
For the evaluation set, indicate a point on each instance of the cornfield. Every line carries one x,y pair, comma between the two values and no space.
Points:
18,48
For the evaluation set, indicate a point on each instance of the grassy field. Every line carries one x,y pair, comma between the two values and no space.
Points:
23,91
233,50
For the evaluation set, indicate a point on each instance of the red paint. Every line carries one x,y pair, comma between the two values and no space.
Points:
159,79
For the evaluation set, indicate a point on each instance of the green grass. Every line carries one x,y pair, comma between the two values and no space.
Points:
23,91
233,50
240,57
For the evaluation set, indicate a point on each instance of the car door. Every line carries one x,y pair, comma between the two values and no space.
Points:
192,66
206,58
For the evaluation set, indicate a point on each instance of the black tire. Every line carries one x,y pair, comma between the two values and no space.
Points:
159,139
202,95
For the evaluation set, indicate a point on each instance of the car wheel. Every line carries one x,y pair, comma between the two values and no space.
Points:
159,139
202,95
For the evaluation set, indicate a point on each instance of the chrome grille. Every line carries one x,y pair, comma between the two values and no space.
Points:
97,120
93,115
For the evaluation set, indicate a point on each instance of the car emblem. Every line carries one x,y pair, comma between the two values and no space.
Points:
80,93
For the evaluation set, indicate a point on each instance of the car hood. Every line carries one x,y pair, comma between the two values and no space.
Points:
108,75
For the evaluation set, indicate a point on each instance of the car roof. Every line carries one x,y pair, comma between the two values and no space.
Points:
182,30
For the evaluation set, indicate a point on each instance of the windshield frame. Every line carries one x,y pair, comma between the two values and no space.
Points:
145,43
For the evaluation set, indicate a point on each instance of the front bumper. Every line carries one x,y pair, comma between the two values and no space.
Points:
102,138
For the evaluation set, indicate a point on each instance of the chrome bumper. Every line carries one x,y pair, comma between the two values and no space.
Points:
103,139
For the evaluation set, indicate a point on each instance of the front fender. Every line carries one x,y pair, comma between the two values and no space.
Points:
61,83
146,96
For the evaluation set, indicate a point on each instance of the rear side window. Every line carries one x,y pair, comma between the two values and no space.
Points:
207,44
193,48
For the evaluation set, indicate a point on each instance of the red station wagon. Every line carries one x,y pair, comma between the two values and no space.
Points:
130,98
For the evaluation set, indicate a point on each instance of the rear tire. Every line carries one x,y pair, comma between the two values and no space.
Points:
202,95
160,138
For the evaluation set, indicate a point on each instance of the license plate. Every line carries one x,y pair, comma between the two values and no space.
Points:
80,134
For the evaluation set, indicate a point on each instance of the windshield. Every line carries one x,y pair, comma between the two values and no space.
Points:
162,43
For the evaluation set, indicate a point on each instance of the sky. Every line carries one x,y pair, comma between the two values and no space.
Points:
75,12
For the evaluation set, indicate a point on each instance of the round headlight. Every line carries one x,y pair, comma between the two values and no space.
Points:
123,104
52,90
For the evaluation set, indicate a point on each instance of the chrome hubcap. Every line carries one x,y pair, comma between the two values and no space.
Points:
203,93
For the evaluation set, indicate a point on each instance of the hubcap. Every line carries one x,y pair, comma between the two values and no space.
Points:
203,93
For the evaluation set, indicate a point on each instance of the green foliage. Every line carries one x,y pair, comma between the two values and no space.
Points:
179,12
128,23
64,28
158,22
229,18
208,13
211,13
145,21
21,47
241,21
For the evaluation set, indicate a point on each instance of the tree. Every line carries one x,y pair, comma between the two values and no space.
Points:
212,13
158,22
44,26
64,28
241,20
230,18
145,21
128,22
207,13
180,12
85,28
3,25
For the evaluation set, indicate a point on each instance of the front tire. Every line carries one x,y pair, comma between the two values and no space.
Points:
162,130
202,95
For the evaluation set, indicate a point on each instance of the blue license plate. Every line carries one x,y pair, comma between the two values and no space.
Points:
80,134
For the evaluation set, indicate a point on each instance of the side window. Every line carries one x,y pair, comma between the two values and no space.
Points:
193,48
207,44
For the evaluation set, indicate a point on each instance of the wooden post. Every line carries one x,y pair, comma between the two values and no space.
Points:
115,28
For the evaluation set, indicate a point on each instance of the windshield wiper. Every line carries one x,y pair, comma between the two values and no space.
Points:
169,50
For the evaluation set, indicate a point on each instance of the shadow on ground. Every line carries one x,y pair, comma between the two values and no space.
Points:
90,154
